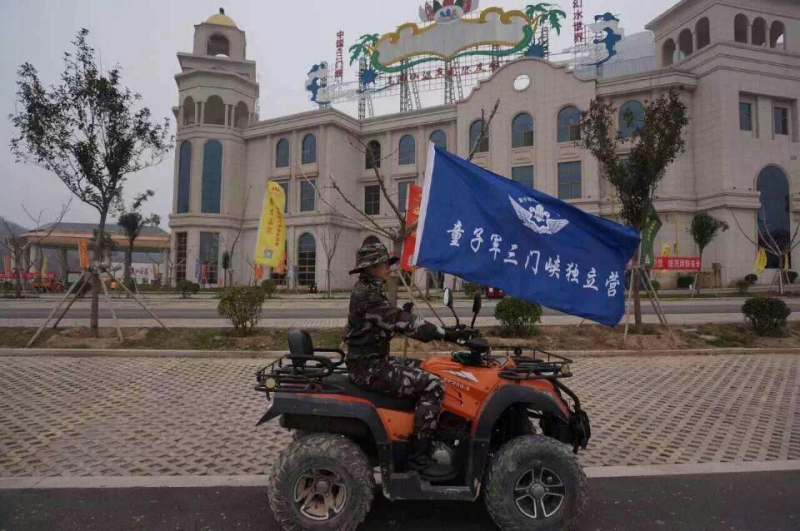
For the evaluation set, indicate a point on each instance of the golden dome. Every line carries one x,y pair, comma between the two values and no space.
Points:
221,19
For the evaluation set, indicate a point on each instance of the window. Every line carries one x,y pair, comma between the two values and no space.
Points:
184,177
282,154
212,177
523,175
180,256
308,197
740,24
372,200
218,45
188,111
309,155
777,35
745,116
402,195
631,118
209,257
569,124
703,31
773,216
306,260
475,134
439,139
285,186
781,118
685,44
214,111
373,155
370,240
408,149
241,115
522,131
759,32
569,180
668,53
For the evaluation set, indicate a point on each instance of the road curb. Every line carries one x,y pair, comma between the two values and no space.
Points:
274,354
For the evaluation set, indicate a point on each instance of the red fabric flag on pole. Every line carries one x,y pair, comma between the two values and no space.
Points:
412,215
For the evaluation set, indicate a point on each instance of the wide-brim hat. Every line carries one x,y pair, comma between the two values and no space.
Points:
372,254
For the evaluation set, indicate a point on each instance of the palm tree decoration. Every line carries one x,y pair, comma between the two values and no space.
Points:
544,14
363,47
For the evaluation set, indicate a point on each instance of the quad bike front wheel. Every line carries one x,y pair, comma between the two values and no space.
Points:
321,482
535,483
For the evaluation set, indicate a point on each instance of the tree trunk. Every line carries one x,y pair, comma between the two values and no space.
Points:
94,328
637,300
394,282
18,284
328,280
128,265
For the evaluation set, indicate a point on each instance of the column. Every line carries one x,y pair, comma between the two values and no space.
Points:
33,258
202,113
180,116
196,113
62,253
228,121
749,34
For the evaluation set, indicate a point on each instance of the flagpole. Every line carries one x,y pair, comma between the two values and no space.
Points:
628,312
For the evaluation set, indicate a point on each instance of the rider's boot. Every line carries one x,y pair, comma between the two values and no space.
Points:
420,460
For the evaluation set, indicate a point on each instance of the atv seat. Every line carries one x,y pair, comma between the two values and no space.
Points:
378,399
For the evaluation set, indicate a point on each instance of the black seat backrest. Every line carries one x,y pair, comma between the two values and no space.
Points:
299,345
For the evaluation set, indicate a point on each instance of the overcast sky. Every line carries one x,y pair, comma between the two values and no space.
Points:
143,36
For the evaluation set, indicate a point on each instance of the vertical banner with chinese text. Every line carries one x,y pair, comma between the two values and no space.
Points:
271,239
412,215
493,231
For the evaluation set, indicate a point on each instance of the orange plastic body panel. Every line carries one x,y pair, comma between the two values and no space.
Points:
399,424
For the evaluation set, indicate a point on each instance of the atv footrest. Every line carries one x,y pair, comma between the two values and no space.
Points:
411,487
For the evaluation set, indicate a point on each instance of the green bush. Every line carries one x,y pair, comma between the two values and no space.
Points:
742,286
751,279
269,286
684,281
241,306
766,315
187,287
470,289
517,317
792,276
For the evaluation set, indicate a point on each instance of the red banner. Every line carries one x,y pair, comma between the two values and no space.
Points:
412,215
677,263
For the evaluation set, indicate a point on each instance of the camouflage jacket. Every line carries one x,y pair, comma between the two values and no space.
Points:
372,322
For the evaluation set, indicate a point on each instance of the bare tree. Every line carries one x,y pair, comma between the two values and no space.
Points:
397,231
17,245
329,240
230,241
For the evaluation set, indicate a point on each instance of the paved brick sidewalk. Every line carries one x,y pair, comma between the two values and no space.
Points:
103,417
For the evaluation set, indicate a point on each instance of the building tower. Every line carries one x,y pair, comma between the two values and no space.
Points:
217,95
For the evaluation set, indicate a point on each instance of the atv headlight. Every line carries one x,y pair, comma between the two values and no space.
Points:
564,368
270,384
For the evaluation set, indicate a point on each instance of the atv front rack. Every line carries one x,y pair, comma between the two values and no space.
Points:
539,365
301,374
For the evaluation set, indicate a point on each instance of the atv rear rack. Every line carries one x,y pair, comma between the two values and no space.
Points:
301,374
540,365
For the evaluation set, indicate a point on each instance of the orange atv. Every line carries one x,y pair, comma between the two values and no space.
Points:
487,436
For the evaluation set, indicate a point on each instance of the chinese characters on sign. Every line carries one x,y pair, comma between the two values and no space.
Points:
677,263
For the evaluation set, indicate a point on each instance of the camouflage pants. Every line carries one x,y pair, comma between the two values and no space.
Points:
400,379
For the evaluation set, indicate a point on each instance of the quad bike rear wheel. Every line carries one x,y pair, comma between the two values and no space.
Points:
535,483
321,482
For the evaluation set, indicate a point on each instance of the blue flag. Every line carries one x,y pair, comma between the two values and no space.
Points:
493,231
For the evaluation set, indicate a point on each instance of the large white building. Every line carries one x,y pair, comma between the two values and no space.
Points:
735,63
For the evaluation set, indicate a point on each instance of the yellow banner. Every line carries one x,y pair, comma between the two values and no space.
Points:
44,265
761,261
271,240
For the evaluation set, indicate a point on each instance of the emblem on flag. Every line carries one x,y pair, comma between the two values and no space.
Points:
537,218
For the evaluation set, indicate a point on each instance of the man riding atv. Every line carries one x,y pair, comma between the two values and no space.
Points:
371,324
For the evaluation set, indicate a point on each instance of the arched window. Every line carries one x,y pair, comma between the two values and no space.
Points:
475,134
370,240
773,216
631,118
740,24
218,45
373,155
188,111
522,131
703,31
759,32
777,35
569,124
685,45
184,176
241,115
282,154
306,260
214,112
668,53
408,148
212,177
439,139
309,155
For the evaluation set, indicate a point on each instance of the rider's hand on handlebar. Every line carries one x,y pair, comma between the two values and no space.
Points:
459,335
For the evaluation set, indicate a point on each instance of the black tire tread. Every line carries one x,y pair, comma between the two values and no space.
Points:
336,447
508,460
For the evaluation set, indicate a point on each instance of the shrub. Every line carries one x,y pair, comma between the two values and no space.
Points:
517,317
187,287
241,306
766,315
269,286
470,289
792,276
751,279
742,286
684,281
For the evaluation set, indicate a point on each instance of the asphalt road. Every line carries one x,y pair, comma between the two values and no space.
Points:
758,501
734,307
